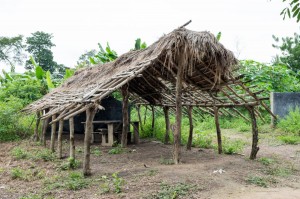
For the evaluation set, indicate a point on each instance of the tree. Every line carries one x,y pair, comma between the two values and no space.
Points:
11,50
290,48
84,59
292,11
139,45
39,46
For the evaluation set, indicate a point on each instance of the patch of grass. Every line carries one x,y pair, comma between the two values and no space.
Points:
116,150
46,155
289,139
26,175
278,170
266,161
232,146
203,139
258,180
18,173
114,183
173,191
79,149
96,151
19,153
244,128
290,123
152,172
71,163
166,161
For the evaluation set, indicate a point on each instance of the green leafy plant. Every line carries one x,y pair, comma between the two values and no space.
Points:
117,182
266,161
46,155
116,150
258,180
19,153
71,163
232,146
173,191
289,139
291,124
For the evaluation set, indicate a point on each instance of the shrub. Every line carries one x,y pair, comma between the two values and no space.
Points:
70,164
19,153
232,146
46,155
290,123
203,139
76,181
173,191
116,150
289,139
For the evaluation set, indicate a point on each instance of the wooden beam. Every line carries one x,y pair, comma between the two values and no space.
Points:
190,139
125,94
37,124
153,120
177,133
167,121
72,144
219,136
59,139
254,148
138,108
53,134
44,131
90,114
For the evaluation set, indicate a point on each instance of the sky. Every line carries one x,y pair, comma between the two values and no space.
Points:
247,26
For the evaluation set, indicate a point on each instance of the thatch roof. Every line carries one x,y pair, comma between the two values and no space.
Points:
151,76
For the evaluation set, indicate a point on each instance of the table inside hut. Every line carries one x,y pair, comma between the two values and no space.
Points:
112,131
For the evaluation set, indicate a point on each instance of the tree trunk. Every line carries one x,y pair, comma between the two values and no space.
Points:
177,133
44,131
53,134
125,95
167,121
90,114
139,115
219,136
153,120
59,139
36,129
72,144
255,148
190,139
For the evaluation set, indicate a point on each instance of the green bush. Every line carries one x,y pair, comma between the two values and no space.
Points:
291,123
232,146
289,139
203,139
19,153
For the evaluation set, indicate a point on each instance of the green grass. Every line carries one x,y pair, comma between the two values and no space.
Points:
115,183
71,163
232,146
258,180
45,154
166,161
289,139
266,161
116,150
290,123
26,175
19,153
173,191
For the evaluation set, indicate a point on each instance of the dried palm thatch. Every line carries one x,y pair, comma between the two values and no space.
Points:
151,76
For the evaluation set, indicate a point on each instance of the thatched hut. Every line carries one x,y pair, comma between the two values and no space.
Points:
183,69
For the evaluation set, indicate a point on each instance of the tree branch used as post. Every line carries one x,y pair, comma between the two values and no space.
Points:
125,94
167,121
72,144
53,134
190,139
44,131
59,139
37,124
139,115
255,148
219,136
90,114
153,120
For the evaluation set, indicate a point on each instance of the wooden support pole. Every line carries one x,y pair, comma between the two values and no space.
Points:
125,94
37,124
153,120
167,121
59,139
139,115
145,114
255,148
219,136
90,114
44,131
53,134
72,144
177,133
190,139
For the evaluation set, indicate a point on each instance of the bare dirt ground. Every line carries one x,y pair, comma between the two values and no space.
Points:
146,173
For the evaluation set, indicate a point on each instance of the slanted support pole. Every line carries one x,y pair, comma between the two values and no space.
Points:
53,134
125,94
167,121
139,115
72,144
90,114
255,148
44,130
153,120
177,133
37,124
59,139
190,139
219,136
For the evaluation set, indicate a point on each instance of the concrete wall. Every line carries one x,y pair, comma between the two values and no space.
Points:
281,103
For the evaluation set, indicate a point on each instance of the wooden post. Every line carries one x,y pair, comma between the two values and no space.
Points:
59,139
53,134
37,124
125,94
153,120
219,136
167,121
177,133
145,114
190,139
139,115
90,114
72,144
255,148
44,131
